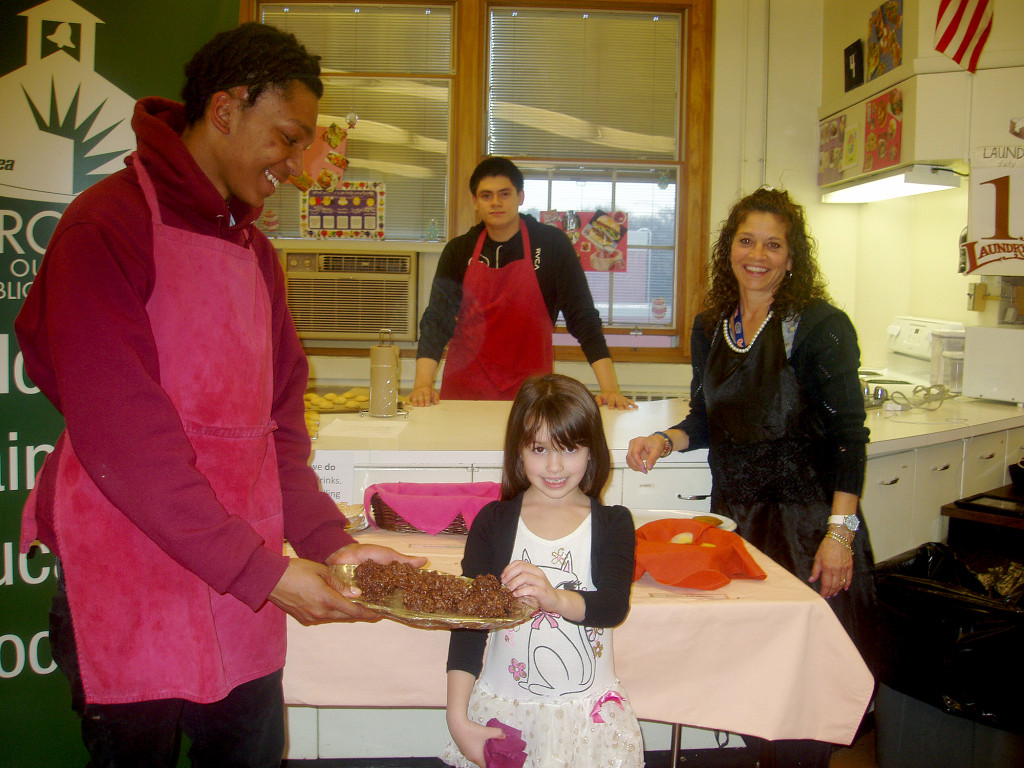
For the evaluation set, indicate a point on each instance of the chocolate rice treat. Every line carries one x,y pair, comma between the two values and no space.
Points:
433,592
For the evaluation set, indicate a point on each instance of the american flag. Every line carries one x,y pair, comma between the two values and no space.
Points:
961,30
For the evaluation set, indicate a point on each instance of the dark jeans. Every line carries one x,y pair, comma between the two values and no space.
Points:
243,730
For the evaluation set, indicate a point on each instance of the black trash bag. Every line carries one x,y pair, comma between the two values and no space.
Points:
949,640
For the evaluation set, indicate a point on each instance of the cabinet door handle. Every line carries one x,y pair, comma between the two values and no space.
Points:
889,482
986,458
943,468
697,497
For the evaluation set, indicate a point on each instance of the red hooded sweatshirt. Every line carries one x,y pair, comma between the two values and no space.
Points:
88,346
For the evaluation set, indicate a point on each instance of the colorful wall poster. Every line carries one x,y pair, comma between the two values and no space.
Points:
832,134
883,131
349,209
885,38
598,237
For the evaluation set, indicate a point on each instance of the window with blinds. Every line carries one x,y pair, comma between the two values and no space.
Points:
390,65
594,122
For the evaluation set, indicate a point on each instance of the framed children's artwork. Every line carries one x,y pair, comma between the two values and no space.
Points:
353,209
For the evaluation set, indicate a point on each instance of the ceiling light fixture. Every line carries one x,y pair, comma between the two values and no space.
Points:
899,182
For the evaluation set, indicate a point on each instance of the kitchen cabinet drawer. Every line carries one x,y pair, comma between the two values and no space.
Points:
1014,450
937,480
679,488
984,463
887,501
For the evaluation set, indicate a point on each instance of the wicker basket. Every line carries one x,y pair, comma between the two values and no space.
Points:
388,519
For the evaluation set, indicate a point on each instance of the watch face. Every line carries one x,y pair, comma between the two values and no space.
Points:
852,522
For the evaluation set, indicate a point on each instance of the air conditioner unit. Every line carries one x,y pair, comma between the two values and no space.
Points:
351,296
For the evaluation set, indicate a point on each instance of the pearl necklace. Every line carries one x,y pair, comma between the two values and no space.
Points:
732,344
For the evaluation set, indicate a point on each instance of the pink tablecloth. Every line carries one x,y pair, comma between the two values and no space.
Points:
766,658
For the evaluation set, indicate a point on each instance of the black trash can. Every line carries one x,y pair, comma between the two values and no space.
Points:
952,660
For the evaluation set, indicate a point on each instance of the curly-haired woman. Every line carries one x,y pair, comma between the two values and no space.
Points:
776,400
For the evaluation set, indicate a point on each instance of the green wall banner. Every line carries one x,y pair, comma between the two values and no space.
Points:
70,73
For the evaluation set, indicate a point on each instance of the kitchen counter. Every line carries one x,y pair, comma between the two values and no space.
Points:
956,419
460,427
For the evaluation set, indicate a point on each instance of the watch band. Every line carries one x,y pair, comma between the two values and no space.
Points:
849,522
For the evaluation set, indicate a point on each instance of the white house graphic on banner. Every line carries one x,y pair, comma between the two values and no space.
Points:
63,126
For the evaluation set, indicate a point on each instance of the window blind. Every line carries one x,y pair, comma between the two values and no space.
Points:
391,65
576,84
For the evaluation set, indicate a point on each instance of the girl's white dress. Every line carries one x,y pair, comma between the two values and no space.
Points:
554,680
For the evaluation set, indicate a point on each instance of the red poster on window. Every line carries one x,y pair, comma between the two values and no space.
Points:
324,163
598,237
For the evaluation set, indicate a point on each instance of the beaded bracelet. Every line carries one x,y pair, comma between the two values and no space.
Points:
668,444
841,539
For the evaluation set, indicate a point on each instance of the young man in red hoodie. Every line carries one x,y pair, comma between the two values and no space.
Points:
158,327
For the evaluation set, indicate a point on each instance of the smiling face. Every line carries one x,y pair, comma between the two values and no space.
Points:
497,203
264,142
554,473
760,255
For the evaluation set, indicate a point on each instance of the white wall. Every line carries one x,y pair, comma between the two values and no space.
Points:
882,259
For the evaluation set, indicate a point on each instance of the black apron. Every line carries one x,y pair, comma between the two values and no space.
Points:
771,468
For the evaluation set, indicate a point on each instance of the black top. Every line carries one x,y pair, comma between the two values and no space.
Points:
784,432
489,550
825,359
562,282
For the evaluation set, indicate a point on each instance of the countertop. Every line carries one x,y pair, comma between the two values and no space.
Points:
449,431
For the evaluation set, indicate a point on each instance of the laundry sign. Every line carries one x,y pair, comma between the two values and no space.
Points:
995,232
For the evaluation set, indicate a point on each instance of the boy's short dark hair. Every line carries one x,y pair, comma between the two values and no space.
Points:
496,166
255,55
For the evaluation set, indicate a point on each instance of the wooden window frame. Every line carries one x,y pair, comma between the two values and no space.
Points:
467,147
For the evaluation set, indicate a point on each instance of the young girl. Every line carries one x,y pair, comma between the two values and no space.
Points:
558,548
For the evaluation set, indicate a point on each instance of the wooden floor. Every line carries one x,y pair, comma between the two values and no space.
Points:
860,754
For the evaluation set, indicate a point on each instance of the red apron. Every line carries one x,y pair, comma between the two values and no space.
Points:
145,627
503,334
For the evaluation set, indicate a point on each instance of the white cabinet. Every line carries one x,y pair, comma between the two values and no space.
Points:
887,500
984,463
680,488
1014,450
486,474
937,480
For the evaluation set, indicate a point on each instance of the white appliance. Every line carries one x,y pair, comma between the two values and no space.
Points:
337,294
908,361
994,363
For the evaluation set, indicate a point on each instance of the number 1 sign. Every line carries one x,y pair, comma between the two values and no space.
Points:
995,237
995,233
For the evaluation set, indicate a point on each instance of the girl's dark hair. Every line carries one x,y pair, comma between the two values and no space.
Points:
255,55
805,282
572,418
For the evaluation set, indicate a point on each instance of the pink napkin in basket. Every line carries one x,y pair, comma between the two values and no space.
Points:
432,507
505,753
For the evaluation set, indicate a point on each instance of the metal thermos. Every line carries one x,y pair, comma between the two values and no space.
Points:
384,376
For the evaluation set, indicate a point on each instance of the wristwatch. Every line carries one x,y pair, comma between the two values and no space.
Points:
850,522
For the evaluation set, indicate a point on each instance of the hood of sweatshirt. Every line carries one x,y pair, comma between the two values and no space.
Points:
182,186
